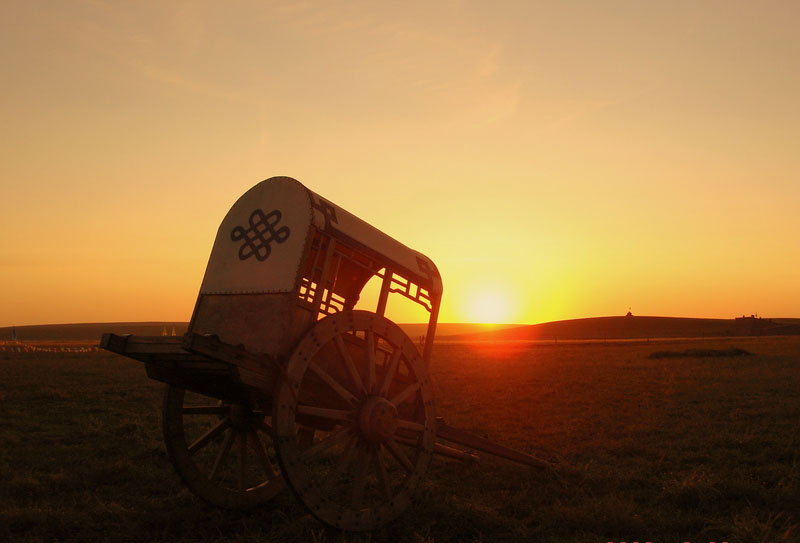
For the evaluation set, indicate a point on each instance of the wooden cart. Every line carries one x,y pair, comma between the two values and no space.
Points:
280,381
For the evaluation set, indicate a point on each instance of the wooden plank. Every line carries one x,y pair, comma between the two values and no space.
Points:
211,347
259,371
384,295
167,361
257,380
114,342
160,350
410,439
130,345
472,441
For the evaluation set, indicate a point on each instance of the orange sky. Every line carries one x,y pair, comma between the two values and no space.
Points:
562,160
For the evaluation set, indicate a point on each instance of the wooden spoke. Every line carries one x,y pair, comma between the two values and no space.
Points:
242,461
211,434
205,410
344,462
411,442
370,346
405,394
335,438
392,446
360,477
380,467
221,475
222,454
387,379
325,413
410,425
351,477
348,362
261,453
333,383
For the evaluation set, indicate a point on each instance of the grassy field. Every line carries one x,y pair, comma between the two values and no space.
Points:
666,449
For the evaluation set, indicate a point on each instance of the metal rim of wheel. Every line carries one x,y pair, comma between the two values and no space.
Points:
359,380
220,450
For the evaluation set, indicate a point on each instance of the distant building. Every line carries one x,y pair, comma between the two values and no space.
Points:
629,314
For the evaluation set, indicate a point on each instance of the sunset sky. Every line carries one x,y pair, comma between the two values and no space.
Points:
556,160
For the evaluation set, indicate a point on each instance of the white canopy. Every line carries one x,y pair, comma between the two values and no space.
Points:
261,242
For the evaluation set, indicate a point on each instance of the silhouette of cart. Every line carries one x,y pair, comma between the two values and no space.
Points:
280,381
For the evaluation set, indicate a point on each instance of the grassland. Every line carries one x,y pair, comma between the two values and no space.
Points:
650,449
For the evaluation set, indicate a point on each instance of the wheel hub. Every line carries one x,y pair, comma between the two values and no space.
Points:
242,418
378,419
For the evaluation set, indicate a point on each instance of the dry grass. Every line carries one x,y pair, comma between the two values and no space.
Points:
663,450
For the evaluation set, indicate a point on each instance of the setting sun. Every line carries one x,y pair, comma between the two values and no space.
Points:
489,306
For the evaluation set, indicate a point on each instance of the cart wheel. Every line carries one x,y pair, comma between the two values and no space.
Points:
360,382
222,451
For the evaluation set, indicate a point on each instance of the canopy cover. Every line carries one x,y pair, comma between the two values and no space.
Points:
261,242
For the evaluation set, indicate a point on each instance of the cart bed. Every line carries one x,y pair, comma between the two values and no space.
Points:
166,360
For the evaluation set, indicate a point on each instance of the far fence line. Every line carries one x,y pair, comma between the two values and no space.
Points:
18,347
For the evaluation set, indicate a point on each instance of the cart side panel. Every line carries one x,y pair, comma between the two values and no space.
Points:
264,323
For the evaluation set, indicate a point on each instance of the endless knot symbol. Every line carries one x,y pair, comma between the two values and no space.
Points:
259,237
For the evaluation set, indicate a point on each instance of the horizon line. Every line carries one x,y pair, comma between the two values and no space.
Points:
754,315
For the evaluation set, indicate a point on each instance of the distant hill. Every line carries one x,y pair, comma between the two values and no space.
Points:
93,331
590,328
632,327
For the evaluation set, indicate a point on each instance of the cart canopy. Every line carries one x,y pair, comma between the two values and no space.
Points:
261,242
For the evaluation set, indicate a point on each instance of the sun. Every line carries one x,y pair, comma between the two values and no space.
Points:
490,306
